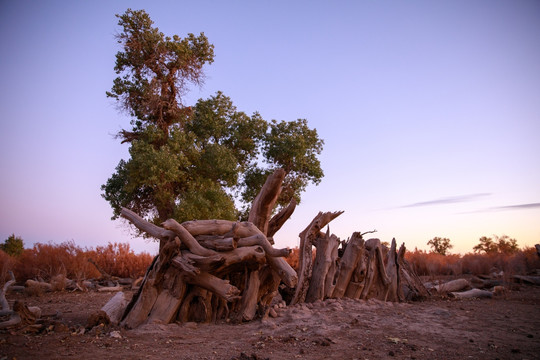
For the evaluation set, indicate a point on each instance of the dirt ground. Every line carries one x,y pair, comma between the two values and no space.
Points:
506,327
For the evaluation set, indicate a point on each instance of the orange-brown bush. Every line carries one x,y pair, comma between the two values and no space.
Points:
431,264
294,258
48,260
119,260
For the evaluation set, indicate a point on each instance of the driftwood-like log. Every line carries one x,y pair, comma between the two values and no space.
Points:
115,307
22,315
453,286
470,294
110,288
3,301
38,285
533,280
217,242
187,238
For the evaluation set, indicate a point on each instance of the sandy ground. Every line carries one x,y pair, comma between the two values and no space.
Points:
506,327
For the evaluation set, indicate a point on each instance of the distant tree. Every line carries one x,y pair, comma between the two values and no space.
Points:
200,162
485,245
502,244
506,245
440,245
13,245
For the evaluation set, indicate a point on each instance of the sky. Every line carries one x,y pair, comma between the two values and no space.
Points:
429,110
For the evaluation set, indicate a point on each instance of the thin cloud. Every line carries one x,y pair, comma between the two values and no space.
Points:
517,207
448,200
506,207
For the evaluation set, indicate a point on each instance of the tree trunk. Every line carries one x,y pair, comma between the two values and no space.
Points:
325,258
352,255
211,269
307,238
262,206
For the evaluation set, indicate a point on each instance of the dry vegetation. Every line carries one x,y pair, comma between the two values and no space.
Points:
48,260
432,264
45,261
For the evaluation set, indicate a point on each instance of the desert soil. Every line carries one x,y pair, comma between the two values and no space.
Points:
506,327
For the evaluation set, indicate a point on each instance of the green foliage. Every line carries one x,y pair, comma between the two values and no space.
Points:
503,244
13,245
440,245
196,162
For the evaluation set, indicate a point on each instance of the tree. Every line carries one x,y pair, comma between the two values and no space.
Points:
502,244
194,162
440,245
506,245
13,245
485,245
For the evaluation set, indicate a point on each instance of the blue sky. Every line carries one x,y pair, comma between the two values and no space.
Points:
430,111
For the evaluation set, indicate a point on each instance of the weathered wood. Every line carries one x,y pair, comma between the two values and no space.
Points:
287,274
324,259
411,287
3,301
453,286
217,242
169,299
533,280
277,221
351,256
392,272
110,288
218,286
249,297
38,285
147,227
115,307
140,305
187,238
307,237
196,306
262,206
470,294
262,241
376,281
331,274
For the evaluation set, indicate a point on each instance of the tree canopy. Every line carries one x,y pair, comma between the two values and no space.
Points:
501,244
13,245
203,161
440,245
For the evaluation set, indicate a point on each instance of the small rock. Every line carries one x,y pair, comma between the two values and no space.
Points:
115,334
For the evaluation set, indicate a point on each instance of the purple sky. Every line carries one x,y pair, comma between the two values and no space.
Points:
430,111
